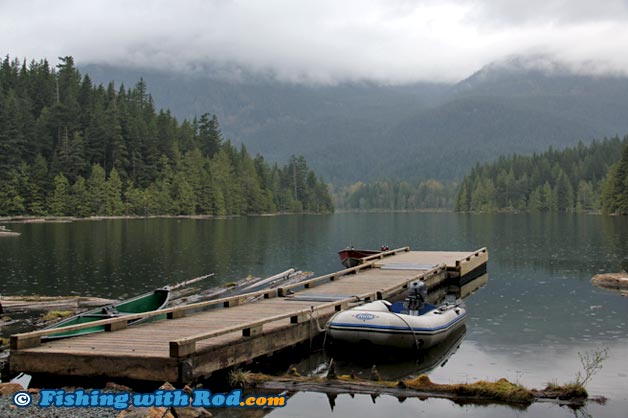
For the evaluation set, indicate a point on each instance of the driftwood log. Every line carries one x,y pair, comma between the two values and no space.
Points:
422,387
47,303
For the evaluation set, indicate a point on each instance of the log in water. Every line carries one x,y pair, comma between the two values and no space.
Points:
47,303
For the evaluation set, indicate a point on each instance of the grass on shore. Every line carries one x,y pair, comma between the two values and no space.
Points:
572,390
55,315
502,390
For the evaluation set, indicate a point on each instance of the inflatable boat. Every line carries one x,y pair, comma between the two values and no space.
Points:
385,324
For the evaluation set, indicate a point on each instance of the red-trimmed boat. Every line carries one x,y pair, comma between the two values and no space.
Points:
351,257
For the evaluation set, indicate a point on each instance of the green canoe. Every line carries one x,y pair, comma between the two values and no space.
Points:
152,301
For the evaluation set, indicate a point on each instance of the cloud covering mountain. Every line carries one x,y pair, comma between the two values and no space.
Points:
327,41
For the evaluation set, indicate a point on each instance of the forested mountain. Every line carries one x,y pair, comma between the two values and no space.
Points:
354,132
335,127
69,146
397,195
565,180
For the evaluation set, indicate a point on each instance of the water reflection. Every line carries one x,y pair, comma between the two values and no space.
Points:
528,324
364,406
118,258
391,364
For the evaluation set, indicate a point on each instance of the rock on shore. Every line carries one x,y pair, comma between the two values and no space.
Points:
615,281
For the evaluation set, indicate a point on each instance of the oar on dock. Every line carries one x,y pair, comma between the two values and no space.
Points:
187,282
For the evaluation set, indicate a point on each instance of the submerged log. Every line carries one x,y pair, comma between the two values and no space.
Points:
501,391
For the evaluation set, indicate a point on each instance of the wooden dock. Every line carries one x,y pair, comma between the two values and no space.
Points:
199,339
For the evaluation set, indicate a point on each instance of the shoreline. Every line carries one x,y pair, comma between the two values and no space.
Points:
70,219
25,219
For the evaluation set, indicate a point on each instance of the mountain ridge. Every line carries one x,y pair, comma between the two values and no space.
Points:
366,131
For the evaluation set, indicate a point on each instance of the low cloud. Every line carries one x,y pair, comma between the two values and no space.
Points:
326,41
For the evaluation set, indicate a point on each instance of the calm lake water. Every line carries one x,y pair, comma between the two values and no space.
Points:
528,324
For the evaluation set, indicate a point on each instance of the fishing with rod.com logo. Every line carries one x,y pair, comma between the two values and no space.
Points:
95,398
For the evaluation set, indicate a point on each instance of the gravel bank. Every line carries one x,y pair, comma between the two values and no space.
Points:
9,410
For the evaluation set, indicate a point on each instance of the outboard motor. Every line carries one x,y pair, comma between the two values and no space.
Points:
417,295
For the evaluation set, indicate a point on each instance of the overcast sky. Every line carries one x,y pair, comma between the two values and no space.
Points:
390,41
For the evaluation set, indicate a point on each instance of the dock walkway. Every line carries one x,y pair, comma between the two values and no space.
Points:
199,339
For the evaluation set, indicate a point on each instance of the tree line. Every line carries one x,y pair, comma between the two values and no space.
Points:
580,178
68,147
614,198
397,195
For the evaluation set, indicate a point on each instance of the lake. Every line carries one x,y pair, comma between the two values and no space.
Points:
528,324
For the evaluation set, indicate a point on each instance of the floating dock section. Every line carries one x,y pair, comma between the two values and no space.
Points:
201,338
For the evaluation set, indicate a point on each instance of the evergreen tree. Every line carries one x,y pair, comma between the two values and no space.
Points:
58,202
615,191
549,198
96,132
66,110
585,196
11,135
43,134
11,201
136,201
38,187
209,135
71,155
80,198
97,190
537,200
254,199
113,203
41,86
197,174
227,192
564,193
184,202
165,191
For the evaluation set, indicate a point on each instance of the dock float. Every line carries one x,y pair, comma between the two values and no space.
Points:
199,339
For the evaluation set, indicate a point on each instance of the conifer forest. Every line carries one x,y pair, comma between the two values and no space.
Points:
70,147
581,178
